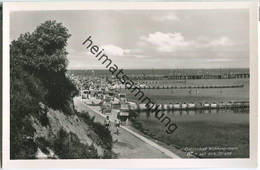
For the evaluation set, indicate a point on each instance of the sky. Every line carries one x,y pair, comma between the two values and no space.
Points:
146,39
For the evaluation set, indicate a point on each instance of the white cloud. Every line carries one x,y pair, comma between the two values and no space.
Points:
172,42
140,56
113,50
116,51
166,42
169,17
222,41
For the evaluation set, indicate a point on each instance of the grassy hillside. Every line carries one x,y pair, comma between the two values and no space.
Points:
42,112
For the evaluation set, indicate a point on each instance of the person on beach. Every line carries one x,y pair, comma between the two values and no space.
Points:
107,122
117,124
118,115
102,109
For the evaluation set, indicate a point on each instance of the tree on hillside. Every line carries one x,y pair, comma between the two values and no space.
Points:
42,50
43,54
37,70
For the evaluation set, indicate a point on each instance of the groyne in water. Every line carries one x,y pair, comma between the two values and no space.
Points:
192,87
181,76
191,106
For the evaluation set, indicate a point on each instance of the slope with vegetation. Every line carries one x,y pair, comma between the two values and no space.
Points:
43,118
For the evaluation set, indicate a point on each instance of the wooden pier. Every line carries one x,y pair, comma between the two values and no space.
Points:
182,76
192,87
192,106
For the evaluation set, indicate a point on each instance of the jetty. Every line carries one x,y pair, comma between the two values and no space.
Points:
192,106
181,76
191,87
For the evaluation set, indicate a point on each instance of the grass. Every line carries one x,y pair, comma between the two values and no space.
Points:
105,138
68,146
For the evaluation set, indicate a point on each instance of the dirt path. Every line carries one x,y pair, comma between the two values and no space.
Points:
127,144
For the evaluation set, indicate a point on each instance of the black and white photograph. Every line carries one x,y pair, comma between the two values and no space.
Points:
129,83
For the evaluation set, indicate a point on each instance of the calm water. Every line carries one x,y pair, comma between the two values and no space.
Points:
164,96
223,116
205,129
162,71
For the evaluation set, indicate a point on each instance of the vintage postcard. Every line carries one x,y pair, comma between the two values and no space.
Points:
127,85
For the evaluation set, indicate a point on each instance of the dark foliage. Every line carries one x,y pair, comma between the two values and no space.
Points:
37,69
99,129
43,144
68,146
38,75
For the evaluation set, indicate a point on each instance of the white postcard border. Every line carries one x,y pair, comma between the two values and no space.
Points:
130,163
